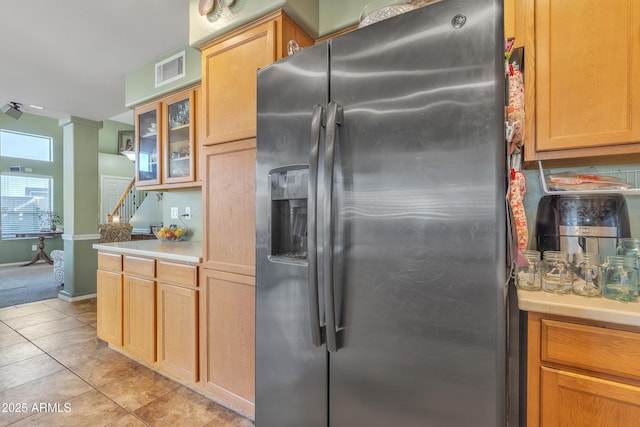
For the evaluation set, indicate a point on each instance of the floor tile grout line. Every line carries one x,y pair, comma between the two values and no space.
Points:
68,368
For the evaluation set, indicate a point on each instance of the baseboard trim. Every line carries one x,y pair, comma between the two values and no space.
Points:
78,298
19,263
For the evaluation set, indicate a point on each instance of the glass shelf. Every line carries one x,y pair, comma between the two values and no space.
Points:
165,141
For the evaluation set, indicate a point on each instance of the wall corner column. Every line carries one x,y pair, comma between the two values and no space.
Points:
81,206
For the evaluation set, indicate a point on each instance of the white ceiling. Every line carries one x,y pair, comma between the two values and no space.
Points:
71,56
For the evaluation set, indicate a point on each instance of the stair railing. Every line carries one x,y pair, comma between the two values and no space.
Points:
127,205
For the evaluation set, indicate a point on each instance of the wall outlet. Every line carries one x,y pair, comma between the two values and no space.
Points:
187,213
174,213
34,248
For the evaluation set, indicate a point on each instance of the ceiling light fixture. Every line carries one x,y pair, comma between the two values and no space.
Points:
37,107
12,109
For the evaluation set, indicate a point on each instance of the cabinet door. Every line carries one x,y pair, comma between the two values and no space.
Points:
570,399
227,333
587,83
140,317
178,331
230,215
229,83
148,158
109,306
178,138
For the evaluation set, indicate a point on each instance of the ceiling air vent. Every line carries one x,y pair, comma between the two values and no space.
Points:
170,69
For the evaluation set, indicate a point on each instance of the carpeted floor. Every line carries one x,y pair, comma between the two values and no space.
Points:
19,285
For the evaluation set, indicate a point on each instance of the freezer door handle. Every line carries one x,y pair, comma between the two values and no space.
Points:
317,337
334,118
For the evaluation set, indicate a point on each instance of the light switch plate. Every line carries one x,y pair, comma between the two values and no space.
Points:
174,213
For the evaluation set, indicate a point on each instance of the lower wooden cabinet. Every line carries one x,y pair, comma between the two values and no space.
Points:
178,331
140,317
572,399
227,336
148,308
109,306
193,324
582,373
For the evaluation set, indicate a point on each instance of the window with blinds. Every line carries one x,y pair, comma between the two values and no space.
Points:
23,198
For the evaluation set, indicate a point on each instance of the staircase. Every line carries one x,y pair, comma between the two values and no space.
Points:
128,204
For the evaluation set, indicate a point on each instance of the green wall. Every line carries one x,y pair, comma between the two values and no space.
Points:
140,83
336,15
318,17
15,251
108,136
156,209
204,28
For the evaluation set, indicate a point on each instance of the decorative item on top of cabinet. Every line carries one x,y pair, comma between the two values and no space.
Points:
582,89
582,372
229,66
165,142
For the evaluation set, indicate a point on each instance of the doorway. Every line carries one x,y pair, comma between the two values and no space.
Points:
111,189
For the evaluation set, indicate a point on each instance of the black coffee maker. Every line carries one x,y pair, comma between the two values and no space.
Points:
582,223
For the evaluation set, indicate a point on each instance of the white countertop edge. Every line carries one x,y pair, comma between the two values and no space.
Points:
598,308
186,251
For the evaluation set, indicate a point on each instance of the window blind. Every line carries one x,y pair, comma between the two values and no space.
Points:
22,200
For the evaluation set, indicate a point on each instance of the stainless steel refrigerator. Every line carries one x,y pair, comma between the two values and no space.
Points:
381,226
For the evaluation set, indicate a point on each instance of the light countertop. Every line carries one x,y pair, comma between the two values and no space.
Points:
185,251
597,308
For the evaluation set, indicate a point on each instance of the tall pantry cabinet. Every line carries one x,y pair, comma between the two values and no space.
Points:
227,161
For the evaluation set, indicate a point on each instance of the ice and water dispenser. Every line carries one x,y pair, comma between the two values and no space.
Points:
288,226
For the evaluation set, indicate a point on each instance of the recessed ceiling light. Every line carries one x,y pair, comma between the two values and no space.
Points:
37,107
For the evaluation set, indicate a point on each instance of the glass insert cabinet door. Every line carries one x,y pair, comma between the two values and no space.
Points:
178,138
148,157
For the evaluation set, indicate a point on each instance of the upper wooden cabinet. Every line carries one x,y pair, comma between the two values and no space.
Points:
229,80
166,146
147,131
229,172
582,78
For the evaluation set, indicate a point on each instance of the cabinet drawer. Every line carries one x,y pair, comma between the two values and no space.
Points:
598,349
178,274
110,262
143,267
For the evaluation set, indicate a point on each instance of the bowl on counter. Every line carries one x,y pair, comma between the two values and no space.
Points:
170,234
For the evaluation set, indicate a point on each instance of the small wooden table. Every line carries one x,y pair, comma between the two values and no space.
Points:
41,255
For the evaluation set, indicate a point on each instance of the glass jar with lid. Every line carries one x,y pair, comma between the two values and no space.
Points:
587,276
620,278
556,272
528,275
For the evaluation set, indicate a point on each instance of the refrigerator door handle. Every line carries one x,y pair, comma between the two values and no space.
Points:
334,118
317,336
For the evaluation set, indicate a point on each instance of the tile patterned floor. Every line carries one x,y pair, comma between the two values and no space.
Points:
55,372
